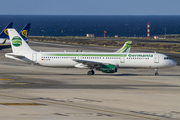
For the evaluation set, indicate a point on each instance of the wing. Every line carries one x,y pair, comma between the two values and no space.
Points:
89,64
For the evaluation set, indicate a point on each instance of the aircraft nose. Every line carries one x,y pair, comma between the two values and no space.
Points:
174,63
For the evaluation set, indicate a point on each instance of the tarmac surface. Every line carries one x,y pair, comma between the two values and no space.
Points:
34,92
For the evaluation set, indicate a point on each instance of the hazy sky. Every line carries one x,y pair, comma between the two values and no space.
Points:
90,7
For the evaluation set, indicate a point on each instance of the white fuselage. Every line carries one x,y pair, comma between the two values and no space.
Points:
120,60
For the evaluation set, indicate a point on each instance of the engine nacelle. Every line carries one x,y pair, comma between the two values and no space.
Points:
107,68
80,65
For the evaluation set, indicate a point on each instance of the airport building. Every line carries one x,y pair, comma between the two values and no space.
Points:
90,35
175,36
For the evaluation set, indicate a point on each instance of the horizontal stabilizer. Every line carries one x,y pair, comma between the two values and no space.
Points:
15,55
18,57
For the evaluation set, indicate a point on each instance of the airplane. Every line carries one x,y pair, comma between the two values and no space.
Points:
4,38
107,62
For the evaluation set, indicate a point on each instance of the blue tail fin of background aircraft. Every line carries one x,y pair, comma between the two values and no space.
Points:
25,31
4,33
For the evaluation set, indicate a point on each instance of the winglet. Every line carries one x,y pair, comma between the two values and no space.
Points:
17,42
126,47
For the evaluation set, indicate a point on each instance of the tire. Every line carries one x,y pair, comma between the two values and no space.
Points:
89,72
156,74
92,71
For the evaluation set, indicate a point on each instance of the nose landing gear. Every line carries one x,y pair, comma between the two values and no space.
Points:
156,72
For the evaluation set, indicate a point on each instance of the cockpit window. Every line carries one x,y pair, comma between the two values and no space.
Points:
167,58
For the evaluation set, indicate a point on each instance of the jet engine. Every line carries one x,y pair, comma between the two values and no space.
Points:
107,68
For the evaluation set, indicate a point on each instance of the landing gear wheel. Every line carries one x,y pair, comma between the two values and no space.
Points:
91,72
156,73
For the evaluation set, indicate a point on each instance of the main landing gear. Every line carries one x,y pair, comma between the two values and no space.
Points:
90,72
156,72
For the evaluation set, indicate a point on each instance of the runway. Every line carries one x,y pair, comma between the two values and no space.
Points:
140,40
36,92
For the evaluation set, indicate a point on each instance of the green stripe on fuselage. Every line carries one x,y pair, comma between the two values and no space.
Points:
89,55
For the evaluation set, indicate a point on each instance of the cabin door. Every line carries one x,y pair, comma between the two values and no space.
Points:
34,57
156,58
122,59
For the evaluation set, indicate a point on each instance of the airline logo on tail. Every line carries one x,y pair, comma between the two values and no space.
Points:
24,33
16,41
6,32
